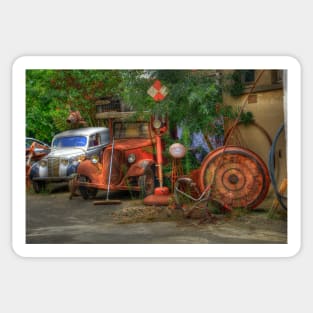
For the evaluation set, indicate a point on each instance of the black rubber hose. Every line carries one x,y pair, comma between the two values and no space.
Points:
271,162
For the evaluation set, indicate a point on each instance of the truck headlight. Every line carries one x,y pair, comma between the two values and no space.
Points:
131,158
156,124
81,158
94,159
75,159
43,163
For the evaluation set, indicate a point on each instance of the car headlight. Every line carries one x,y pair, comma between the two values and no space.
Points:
131,158
76,159
94,159
43,163
81,158
64,162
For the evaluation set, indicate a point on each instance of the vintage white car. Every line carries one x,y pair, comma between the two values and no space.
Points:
67,150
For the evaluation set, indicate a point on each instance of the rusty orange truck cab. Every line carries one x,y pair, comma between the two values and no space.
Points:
133,162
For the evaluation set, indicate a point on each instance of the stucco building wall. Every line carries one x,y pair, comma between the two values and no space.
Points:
266,102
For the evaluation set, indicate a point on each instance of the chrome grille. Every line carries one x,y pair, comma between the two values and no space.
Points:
116,173
53,167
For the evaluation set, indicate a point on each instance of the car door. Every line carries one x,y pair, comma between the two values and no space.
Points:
96,143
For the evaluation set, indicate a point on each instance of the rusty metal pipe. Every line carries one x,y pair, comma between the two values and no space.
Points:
159,158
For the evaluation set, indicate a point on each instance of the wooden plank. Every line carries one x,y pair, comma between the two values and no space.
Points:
113,114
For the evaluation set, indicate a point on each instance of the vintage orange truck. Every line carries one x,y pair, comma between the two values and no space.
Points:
134,161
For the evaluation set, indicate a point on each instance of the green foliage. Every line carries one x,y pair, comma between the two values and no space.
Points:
246,117
237,86
234,83
191,101
51,94
232,113
39,122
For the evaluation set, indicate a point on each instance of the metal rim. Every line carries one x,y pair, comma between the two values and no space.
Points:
241,178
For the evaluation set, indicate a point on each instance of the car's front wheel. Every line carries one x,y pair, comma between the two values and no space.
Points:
39,186
87,192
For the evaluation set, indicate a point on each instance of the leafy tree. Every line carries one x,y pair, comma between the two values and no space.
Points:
52,94
194,99
194,102
39,122
191,102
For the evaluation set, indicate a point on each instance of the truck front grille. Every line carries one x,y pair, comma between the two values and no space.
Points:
53,167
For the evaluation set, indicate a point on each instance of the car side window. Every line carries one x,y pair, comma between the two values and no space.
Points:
94,140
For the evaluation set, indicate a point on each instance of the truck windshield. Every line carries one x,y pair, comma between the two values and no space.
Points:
127,130
68,142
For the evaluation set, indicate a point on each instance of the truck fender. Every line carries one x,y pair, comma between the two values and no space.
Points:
138,168
34,171
90,170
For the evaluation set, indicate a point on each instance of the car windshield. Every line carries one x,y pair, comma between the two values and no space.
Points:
131,130
68,142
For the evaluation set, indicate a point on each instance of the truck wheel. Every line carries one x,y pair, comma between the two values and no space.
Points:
146,182
39,186
87,193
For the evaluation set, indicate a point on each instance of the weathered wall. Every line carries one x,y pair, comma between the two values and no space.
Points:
267,105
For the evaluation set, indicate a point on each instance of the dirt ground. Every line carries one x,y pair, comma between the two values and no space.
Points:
51,217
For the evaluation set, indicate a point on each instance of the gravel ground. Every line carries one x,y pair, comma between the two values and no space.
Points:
53,218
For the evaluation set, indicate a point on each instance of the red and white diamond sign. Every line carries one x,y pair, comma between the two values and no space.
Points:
158,91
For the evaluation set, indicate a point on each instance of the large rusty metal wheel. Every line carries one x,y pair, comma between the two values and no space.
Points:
238,177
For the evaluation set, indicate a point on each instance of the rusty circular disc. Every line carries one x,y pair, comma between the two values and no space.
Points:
238,177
